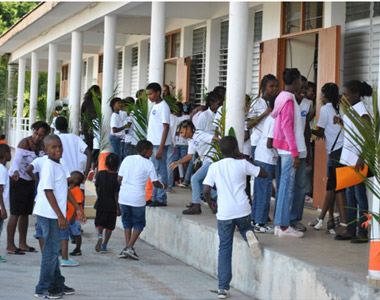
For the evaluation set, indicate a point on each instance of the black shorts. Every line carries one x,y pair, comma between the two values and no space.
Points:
21,197
105,219
333,165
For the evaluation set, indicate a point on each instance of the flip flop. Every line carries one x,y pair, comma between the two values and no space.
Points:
18,251
31,249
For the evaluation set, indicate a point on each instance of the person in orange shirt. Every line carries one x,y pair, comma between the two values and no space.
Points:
2,139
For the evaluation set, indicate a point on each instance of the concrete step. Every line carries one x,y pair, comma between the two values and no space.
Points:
90,193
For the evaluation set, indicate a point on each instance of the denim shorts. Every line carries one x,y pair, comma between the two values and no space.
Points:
73,229
133,217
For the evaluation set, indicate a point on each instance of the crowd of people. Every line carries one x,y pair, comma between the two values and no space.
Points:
48,172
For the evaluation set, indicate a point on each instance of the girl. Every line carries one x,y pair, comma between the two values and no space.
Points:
334,143
118,126
288,138
206,119
356,195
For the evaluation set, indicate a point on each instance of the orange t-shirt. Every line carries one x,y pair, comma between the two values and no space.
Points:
3,141
78,196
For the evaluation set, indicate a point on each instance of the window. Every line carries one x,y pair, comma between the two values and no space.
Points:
258,29
257,37
134,70
301,16
357,11
120,60
84,68
197,72
223,54
135,53
100,68
172,44
65,72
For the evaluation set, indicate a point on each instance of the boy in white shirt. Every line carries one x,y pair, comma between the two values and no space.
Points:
5,156
159,135
50,208
133,174
228,175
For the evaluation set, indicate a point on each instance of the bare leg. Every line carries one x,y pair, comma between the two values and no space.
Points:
332,208
65,249
127,234
341,201
78,242
100,231
11,230
329,201
107,236
135,235
23,230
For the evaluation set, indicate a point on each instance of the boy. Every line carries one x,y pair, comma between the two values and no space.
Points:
133,175
5,156
229,176
50,208
158,135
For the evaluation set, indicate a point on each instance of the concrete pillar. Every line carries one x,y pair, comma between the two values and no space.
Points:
12,69
157,43
108,78
143,64
237,69
52,77
20,97
212,53
33,89
75,80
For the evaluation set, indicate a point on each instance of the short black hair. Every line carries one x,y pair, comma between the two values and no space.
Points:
2,137
186,124
143,145
228,145
61,123
51,137
41,124
290,75
4,148
79,174
114,101
139,93
129,100
221,90
154,86
361,88
112,161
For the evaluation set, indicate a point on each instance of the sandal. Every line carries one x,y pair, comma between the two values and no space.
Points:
30,249
18,251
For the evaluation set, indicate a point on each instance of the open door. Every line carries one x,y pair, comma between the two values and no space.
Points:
328,71
177,74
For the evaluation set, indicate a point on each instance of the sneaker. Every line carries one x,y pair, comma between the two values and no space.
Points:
298,226
104,248
276,230
289,232
316,223
68,290
253,244
98,246
2,259
183,185
263,228
122,254
49,296
223,294
69,263
90,176
308,199
76,252
131,253
195,209
331,227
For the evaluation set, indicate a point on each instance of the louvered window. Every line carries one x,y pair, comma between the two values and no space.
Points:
119,73
357,11
120,60
134,70
147,65
223,54
257,36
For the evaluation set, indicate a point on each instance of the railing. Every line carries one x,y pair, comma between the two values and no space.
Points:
15,133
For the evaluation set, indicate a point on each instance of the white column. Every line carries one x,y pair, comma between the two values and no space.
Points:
75,80
212,54
20,96
12,69
108,77
157,43
52,77
33,88
237,69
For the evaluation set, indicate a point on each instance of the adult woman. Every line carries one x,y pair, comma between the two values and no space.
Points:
22,188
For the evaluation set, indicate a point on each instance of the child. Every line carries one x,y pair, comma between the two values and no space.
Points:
50,208
107,208
228,175
5,156
2,139
133,175
118,126
206,119
159,135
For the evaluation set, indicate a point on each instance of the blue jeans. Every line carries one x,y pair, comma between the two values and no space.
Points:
116,146
51,279
356,198
197,183
286,191
298,202
226,231
180,151
169,160
190,169
159,195
262,191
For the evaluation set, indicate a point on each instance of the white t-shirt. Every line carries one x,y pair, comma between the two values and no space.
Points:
135,171
350,151
229,175
52,177
247,148
263,153
206,121
73,147
326,121
159,115
117,121
173,127
38,163
200,142
4,181
96,139
178,139
305,106
257,108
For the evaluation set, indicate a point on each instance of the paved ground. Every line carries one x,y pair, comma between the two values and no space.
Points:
105,276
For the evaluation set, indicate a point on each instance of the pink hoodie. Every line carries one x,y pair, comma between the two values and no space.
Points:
283,112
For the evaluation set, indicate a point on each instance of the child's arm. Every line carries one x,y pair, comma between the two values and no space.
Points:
118,213
2,205
29,171
62,222
270,143
163,140
319,132
82,217
160,185
253,122
72,219
175,164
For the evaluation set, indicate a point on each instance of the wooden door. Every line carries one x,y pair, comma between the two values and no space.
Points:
183,77
328,71
65,81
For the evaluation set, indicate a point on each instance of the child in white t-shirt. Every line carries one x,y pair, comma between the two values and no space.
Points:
118,126
5,156
133,174
50,208
228,175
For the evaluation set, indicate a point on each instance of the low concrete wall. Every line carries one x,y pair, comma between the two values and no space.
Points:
274,276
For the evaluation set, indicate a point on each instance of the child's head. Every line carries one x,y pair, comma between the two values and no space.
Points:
221,90
139,93
165,90
116,104
179,109
144,148
292,78
311,91
61,124
153,91
5,152
2,137
354,89
301,93
76,178
330,93
214,100
53,147
112,162
269,86
186,129
229,146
